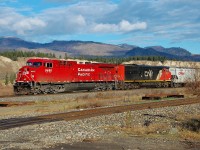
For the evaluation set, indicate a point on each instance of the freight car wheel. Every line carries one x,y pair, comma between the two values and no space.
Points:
175,85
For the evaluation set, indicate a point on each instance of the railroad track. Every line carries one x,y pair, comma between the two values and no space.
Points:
72,92
18,122
48,94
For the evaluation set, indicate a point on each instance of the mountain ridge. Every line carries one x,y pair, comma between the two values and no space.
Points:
91,48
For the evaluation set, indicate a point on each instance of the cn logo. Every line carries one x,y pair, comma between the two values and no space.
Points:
148,73
181,73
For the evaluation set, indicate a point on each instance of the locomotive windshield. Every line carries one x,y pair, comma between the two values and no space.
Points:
34,64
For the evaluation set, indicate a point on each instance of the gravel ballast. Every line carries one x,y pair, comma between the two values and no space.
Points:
48,135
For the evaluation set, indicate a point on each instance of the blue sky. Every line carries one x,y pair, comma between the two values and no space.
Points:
169,23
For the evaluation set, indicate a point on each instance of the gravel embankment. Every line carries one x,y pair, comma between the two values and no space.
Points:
49,134
75,95
50,104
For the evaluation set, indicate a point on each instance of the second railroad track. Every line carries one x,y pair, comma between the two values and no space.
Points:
81,114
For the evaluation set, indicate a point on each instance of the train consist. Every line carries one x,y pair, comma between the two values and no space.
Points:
41,75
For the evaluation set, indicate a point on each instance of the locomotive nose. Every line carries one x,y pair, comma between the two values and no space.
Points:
24,74
26,71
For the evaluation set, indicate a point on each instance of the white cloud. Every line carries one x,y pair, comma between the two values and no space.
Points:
164,19
12,22
60,21
28,24
83,17
76,18
121,27
126,26
105,28
79,20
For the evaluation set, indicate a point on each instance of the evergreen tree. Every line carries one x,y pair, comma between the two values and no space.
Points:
6,79
65,56
12,78
53,55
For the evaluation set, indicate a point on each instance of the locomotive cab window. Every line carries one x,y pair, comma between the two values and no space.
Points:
49,65
29,63
34,64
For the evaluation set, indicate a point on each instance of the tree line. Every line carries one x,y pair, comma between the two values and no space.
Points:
116,60
119,60
15,54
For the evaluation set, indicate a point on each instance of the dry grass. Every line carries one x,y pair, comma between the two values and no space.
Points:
157,129
189,128
6,90
183,126
97,99
88,100
193,88
130,128
144,130
181,116
189,135
141,130
105,99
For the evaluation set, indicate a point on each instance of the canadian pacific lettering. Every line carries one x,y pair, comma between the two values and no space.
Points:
84,74
86,69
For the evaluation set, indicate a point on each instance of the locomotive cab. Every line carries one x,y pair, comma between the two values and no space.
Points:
35,76
26,73
25,79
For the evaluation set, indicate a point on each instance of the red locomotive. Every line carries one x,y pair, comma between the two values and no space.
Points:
51,76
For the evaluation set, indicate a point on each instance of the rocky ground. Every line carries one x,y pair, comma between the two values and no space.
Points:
137,130
56,103
163,128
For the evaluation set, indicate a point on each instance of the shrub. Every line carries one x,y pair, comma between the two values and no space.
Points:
193,87
192,125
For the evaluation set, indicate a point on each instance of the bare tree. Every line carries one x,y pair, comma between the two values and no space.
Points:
193,86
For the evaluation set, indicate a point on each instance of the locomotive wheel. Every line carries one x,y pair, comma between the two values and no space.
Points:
165,85
158,85
136,86
126,86
36,91
26,91
109,87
